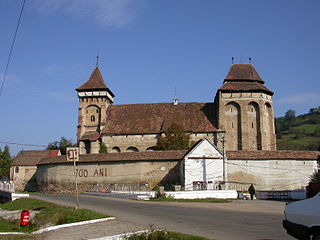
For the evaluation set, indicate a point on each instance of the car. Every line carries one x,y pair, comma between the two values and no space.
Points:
302,218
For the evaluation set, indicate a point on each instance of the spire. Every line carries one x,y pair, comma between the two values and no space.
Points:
95,82
243,72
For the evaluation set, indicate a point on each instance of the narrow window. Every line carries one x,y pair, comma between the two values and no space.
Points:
93,118
97,110
252,124
17,169
232,124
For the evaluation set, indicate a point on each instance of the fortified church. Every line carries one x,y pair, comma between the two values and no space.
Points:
235,136
240,118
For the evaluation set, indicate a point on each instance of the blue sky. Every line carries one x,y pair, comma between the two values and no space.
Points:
147,50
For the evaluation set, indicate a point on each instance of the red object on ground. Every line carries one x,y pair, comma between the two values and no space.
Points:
25,218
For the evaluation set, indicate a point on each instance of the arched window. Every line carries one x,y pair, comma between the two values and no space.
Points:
151,148
116,150
132,149
93,119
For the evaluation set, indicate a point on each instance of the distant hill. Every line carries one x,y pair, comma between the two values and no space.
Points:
299,132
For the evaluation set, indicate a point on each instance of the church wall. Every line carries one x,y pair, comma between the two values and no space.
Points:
270,174
60,176
140,141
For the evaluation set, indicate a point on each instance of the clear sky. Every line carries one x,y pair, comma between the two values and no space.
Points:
147,50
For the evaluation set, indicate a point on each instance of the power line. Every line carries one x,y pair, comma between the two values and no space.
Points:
12,45
23,144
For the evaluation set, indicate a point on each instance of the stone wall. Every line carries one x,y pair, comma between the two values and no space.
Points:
270,174
59,177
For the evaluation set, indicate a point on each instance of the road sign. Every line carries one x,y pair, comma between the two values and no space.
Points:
72,154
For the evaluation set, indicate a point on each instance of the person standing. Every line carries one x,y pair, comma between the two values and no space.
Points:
251,191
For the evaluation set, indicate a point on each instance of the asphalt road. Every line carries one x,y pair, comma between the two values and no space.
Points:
259,220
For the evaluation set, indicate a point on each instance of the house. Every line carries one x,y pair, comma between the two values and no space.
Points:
24,167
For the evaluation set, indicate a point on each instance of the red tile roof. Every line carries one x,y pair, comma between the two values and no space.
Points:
273,155
32,157
95,82
92,136
244,87
243,72
158,117
174,155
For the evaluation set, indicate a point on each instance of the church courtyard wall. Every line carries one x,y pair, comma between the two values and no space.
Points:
269,174
59,177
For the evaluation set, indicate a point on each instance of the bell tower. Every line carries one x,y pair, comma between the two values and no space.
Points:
94,98
245,110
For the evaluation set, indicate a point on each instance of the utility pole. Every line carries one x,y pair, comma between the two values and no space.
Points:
223,160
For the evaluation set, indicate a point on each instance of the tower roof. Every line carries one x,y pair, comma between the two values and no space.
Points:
95,82
243,72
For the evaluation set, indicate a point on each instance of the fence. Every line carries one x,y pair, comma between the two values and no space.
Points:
7,186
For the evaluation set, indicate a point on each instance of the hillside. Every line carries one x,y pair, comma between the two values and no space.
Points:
299,132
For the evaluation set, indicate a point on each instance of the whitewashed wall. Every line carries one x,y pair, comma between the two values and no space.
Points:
199,167
272,174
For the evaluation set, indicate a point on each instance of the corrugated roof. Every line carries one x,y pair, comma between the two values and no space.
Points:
243,72
125,156
32,157
270,155
158,117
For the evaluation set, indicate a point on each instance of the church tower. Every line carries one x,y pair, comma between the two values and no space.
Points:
94,98
245,110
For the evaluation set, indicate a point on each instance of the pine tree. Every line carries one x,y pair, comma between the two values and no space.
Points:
175,139
103,148
5,162
315,177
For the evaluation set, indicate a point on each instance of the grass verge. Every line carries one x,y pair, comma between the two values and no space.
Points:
208,200
50,214
163,235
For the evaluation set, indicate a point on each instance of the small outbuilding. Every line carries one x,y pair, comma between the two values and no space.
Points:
24,167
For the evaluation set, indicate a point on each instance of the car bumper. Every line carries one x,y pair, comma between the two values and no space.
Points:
296,230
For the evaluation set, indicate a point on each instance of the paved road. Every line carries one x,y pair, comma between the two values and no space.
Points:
259,220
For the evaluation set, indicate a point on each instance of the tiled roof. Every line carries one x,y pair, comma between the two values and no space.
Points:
95,82
158,117
243,72
92,136
244,87
270,155
32,157
125,156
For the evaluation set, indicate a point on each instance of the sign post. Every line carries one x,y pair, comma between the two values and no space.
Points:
73,155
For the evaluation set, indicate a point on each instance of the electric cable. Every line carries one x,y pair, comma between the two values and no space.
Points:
11,49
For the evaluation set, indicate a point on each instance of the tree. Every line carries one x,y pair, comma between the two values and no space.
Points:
103,148
5,162
290,115
175,139
315,177
61,145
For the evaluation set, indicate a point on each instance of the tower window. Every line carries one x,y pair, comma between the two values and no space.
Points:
97,110
230,109
232,124
252,124
93,119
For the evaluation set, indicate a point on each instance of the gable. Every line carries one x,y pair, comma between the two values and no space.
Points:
204,149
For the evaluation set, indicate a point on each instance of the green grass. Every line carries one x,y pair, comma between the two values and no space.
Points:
163,235
26,203
50,214
208,200
307,128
